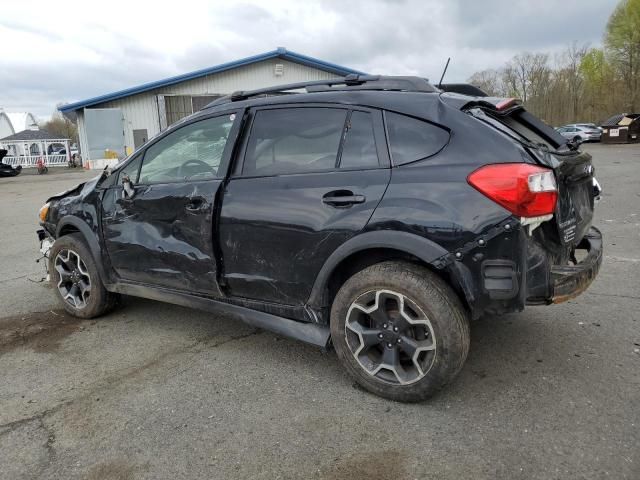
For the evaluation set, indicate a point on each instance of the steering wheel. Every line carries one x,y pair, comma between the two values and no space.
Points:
207,167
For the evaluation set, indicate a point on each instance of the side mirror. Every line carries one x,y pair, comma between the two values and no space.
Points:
127,187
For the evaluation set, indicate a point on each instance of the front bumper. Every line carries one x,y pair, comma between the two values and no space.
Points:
46,242
569,281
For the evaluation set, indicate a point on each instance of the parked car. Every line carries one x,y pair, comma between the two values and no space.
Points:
590,126
579,134
375,214
8,170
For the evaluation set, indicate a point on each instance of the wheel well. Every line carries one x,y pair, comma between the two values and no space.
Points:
67,229
358,261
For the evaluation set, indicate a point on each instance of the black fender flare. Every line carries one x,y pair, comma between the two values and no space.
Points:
89,237
420,247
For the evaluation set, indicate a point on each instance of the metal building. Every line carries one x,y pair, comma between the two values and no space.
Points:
117,123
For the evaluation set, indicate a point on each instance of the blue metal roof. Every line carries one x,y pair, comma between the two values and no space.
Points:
278,53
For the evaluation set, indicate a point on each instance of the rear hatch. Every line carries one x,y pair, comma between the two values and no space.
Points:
573,168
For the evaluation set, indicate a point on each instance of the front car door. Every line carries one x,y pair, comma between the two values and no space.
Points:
310,179
163,235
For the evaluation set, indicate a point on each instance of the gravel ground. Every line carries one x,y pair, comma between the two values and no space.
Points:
159,391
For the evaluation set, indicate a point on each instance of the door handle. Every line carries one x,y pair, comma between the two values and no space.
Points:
342,198
195,204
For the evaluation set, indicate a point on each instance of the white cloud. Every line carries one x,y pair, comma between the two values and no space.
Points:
70,50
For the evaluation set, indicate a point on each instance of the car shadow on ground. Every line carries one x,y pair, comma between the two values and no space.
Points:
509,351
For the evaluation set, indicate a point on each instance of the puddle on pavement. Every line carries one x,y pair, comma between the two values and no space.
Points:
39,331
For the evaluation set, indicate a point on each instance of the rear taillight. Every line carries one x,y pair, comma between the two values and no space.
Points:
525,190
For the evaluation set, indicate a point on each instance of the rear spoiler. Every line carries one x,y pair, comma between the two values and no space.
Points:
499,104
462,88
503,107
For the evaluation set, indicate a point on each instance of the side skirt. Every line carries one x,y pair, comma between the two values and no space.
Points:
307,332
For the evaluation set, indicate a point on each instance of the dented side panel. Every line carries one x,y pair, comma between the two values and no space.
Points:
276,233
163,236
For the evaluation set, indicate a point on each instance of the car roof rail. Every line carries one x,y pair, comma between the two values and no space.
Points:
349,82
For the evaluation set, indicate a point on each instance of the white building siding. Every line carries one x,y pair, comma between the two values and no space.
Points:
141,111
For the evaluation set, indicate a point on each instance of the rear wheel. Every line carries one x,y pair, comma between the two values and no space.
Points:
75,279
577,139
400,331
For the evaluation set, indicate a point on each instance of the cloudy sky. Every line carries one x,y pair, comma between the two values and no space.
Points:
52,52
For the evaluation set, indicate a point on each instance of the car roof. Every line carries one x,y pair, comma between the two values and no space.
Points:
418,104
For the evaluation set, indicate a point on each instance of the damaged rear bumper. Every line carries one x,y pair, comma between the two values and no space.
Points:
569,281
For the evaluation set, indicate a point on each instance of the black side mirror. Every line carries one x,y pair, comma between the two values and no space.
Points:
127,187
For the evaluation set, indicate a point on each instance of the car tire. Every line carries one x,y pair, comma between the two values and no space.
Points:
404,313
577,139
75,279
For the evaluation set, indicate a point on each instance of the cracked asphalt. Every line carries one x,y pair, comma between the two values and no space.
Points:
155,391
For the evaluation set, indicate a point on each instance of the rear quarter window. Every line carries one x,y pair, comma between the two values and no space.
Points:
411,139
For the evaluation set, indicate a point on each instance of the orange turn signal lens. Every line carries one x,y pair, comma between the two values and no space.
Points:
43,212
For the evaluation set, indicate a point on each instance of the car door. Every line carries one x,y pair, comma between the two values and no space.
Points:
163,234
308,179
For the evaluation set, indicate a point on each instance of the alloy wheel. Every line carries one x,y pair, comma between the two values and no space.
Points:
74,282
390,337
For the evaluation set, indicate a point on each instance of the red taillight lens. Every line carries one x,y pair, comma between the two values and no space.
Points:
525,190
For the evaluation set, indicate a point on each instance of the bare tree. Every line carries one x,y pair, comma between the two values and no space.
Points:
61,126
489,81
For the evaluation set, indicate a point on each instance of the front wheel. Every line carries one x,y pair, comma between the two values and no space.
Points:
75,278
400,331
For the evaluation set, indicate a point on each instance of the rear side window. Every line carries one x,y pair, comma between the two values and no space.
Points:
359,148
294,140
411,139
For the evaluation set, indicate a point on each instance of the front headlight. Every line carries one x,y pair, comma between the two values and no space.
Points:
44,210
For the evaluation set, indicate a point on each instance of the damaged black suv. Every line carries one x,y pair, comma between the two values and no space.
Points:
376,214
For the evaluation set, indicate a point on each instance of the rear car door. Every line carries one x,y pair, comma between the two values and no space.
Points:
163,234
307,180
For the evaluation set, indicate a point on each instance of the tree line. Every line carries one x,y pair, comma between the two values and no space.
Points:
580,84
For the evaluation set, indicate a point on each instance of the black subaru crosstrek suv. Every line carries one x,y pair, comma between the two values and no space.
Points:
375,214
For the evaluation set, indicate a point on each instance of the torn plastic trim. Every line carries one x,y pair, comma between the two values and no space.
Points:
534,222
312,333
481,240
569,281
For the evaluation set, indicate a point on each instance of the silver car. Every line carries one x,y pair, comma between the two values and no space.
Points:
582,132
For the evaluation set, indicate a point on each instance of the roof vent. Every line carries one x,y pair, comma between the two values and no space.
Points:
278,70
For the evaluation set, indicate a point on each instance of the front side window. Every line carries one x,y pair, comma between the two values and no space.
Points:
293,140
192,152
131,170
411,139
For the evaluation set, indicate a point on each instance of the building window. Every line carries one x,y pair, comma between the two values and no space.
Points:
179,106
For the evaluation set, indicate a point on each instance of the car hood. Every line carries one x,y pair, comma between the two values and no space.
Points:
80,189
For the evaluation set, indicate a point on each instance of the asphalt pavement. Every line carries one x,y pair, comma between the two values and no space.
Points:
156,391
